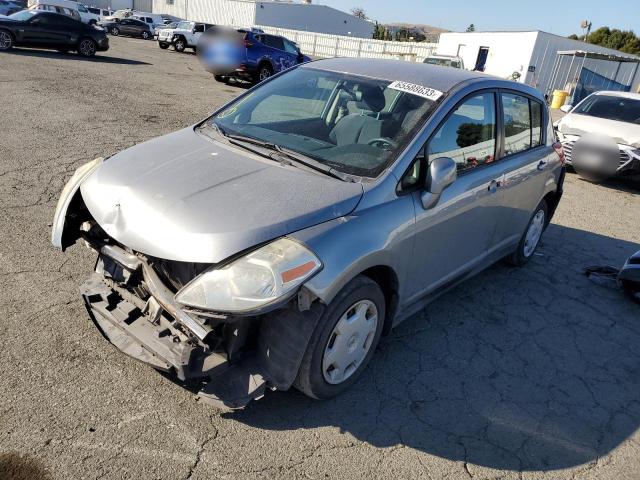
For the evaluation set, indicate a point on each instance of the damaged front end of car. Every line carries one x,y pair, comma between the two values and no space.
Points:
228,331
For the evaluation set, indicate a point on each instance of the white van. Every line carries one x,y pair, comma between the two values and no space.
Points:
65,7
151,19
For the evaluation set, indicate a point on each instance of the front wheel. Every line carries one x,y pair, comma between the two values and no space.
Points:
179,45
344,340
87,47
146,35
163,45
115,31
531,238
6,40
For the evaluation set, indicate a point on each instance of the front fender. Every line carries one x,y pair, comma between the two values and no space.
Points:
380,235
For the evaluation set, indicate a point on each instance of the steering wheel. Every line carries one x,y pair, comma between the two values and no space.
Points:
383,143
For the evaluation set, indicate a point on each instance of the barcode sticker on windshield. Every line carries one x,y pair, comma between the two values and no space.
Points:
419,90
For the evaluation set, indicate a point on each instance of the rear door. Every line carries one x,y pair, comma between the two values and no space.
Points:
455,237
526,163
275,47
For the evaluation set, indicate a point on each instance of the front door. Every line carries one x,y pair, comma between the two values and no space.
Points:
456,236
47,29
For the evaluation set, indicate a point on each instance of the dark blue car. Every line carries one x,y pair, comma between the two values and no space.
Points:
248,55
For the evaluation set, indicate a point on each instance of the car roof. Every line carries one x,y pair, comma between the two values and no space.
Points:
614,93
440,78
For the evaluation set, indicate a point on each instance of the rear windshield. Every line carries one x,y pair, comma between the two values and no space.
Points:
611,107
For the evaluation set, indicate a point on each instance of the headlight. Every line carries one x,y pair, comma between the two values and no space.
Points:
260,278
67,194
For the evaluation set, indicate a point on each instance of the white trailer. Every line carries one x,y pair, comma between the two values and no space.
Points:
534,57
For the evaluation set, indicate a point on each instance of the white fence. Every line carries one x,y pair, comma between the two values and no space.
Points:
325,45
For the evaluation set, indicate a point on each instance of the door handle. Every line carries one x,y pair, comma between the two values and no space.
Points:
493,186
542,165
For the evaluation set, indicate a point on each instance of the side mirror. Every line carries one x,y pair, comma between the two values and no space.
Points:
566,108
442,172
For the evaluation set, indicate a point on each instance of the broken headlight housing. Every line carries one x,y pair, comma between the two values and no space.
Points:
262,277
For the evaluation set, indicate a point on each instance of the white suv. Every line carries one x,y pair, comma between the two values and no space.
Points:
185,35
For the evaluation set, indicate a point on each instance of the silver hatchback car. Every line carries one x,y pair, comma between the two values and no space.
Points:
272,244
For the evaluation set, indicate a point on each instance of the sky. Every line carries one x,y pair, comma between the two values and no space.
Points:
561,17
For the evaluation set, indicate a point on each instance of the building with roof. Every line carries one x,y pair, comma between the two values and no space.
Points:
304,16
545,61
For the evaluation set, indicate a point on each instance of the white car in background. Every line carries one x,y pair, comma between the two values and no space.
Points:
614,114
445,61
66,7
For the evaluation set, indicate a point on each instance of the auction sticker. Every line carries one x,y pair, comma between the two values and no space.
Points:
419,90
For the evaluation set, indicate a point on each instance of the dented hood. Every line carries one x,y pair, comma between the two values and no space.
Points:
622,132
185,197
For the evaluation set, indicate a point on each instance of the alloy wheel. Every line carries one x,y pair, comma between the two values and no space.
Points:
6,42
115,32
87,48
264,73
350,342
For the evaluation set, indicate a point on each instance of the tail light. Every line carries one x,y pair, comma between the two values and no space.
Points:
559,149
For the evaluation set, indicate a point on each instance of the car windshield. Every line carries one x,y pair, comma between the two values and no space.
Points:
23,15
611,107
184,26
353,124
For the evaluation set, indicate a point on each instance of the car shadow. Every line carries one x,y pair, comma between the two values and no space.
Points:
27,52
526,369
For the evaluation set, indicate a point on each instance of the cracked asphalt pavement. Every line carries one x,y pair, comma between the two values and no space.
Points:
517,373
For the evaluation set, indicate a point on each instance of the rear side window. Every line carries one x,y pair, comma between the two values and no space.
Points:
468,135
274,42
522,123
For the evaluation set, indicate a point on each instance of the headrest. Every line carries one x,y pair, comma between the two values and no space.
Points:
371,98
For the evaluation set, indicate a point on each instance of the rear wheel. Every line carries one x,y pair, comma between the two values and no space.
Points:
115,31
180,44
87,47
6,40
344,340
264,72
531,238
146,35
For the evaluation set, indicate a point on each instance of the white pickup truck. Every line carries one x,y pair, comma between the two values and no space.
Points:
185,35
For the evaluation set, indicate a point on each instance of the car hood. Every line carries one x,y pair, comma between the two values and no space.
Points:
622,132
185,197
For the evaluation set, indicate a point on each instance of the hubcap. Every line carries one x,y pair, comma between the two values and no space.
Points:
5,40
534,233
115,32
349,342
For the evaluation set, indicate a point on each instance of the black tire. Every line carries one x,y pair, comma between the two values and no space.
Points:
220,78
163,45
115,31
6,40
264,71
145,35
179,44
311,378
524,252
87,47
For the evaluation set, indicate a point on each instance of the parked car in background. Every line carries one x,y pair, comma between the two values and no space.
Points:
7,7
119,14
612,114
167,26
62,6
272,244
260,55
152,19
445,61
37,29
127,26
185,35
101,12
43,7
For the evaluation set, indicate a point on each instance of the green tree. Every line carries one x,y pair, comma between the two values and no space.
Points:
623,40
471,28
359,12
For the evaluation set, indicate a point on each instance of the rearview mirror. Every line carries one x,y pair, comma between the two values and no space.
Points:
566,108
441,173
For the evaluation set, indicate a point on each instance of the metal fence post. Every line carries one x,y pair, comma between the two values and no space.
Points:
335,54
360,48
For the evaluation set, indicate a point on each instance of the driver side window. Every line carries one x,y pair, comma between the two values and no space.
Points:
468,135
